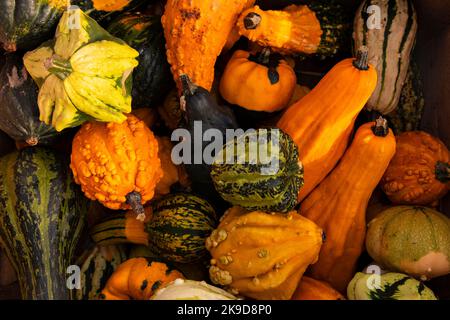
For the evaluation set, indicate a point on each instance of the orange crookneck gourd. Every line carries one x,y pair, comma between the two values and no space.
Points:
117,164
338,205
321,122
196,31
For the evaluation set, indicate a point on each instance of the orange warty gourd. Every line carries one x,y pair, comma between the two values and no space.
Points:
339,203
171,172
261,255
261,82
293,29
117,164
419,173
196,32
138,279
311,289
322,121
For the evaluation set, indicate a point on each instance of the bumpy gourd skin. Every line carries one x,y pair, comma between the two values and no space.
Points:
111,160
196,32
249,84
419,173
339,203
138,279
261,265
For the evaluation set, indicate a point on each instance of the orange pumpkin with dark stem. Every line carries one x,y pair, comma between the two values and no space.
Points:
338,205
117,164
138,279
311,289
419,173
321,122
261,82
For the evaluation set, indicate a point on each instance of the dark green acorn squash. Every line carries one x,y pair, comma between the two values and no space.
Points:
176,229
18,105
179,227
103,11
42,213
152,79
97,264
24,24
259,170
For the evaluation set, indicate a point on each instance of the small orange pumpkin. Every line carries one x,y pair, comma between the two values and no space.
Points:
261,82
311,289
138,279
117,163
419,173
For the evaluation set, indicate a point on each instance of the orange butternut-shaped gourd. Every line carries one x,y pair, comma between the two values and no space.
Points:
311,289
138,279
117,163
339,203
196,32
321,122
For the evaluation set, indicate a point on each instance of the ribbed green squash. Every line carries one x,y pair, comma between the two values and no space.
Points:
408,115
176,231
83,74
179,227
152,78
18,105
390,45
97,265
103,11
244,178
42,213
24,24
391,286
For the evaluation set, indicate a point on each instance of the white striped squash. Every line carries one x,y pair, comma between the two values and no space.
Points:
390,44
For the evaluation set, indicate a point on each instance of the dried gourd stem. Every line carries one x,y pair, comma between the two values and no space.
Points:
188,88
442,171
362,59
252,21
32,141
380,129
134,199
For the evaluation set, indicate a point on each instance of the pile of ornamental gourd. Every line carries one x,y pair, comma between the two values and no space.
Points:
109,193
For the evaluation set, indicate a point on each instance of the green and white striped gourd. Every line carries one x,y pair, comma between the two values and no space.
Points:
390,34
